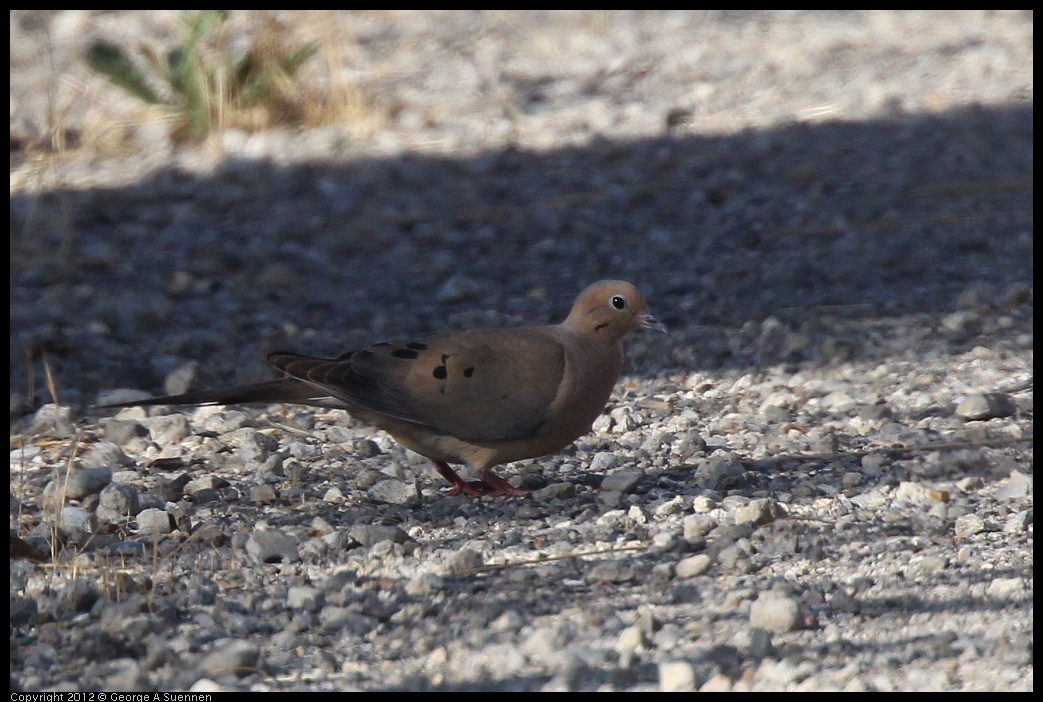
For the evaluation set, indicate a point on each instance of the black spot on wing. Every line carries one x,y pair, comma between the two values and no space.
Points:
442,372
409,354
468,372
417,346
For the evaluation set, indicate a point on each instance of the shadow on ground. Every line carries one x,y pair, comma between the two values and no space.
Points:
838,231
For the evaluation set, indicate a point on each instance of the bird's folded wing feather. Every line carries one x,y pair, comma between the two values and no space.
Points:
482,385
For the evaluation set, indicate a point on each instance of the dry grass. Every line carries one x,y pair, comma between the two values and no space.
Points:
320,94
323,91
344,102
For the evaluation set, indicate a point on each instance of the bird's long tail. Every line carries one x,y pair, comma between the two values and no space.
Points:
286,390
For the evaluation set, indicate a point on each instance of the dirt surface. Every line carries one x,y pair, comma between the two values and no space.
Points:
821,479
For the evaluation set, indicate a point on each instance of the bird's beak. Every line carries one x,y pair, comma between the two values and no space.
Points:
650,322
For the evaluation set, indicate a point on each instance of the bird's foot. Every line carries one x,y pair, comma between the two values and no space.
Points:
489,484
497,486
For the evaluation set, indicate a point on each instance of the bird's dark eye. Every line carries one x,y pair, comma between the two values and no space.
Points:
619,302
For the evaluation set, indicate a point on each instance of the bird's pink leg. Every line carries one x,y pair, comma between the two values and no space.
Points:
460,486
489,483
498,486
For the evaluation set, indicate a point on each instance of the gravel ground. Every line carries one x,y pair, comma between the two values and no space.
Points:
820,480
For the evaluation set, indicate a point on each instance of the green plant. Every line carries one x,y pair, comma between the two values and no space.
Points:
205,87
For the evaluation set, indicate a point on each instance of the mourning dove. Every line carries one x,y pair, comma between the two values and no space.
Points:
481,397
